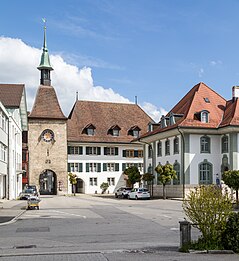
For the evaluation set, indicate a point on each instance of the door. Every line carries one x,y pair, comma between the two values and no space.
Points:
47,182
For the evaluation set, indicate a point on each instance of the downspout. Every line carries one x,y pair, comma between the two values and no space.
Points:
8,158
183,159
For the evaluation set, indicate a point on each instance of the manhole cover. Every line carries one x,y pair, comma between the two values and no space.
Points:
33,229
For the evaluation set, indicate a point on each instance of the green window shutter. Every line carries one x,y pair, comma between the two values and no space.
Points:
123,166
98,167
116,151
116,166
98,150
69,167
80,167
80,150
105,150
104,167
136,154
124,153
87,151
68,149
87,167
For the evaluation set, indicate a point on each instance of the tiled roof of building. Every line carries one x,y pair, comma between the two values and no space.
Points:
46,104
104,115
11,94
199,98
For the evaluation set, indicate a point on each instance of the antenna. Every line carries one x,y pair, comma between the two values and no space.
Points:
76,96
136,99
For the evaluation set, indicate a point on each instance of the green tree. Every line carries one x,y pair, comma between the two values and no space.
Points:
133,175
73,181
231,179
166,174
104,187
208,210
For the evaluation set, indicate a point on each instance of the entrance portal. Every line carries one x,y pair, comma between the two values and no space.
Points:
48,183
80,186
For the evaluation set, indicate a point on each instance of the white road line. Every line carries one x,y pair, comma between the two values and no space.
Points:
65,213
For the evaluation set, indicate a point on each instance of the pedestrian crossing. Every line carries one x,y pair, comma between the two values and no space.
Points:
50,213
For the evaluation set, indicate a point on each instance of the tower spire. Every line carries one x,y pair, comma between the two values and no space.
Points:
45,65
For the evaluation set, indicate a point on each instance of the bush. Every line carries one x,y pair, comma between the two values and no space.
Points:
104,186
208,209
230,236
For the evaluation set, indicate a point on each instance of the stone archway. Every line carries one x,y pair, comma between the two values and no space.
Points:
48,182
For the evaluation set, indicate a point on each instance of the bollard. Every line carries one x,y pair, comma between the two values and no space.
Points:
185,233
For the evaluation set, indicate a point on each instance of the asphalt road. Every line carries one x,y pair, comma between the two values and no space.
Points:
97,228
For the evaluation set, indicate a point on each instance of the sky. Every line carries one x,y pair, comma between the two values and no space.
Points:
115,50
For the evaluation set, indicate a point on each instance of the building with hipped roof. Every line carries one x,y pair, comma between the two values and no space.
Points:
13,116
99,136
198,136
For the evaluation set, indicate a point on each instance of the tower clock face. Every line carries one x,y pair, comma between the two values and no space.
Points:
47,135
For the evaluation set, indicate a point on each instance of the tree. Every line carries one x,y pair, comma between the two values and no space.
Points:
73,181
166,174
104,187
208,210
231,179
148,177
133,175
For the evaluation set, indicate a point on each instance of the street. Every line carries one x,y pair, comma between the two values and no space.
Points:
96,228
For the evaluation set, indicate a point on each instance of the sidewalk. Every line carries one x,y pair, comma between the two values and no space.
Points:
10,210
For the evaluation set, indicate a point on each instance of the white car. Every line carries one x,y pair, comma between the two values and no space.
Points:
139,193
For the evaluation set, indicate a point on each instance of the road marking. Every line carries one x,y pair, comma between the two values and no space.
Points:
71,214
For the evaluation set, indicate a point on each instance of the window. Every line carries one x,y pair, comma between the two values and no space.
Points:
225,144
176,145
205,116
159,148
110,167
93,151
111,181
150,151
205,173
176,167
205,144
3,152
90,132
75,150
140,166
75,167
93,167
111,151
133,153
3,121
134,131
115,132
167,147
93,181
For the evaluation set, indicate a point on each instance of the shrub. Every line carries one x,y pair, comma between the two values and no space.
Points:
104,187
208,209
230,236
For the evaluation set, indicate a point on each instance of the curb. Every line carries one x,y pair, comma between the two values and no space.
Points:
14,219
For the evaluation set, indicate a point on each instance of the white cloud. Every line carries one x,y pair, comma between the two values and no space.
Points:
18,63
214,63
200,72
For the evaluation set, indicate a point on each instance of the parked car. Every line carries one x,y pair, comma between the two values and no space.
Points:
122,192
27,193
139,193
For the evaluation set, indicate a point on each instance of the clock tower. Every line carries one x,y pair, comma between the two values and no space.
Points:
47,135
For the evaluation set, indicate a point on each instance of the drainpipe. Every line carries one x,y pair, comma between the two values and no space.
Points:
183,159
8,158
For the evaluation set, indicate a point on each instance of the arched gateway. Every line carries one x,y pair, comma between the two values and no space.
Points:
48,183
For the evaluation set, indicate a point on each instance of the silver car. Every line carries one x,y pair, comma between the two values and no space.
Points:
139,193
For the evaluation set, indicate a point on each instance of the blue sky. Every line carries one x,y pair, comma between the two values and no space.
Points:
155,49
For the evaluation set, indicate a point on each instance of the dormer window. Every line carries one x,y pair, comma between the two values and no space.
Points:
163,122
171,119
89,130
150,126
114,130
134,131
204,116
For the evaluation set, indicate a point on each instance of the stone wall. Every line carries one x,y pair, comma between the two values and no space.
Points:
48,155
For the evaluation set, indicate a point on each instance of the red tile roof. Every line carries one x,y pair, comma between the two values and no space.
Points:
11,94
192,104
46,104
104,115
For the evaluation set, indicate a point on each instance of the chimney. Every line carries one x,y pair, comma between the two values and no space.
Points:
235,92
